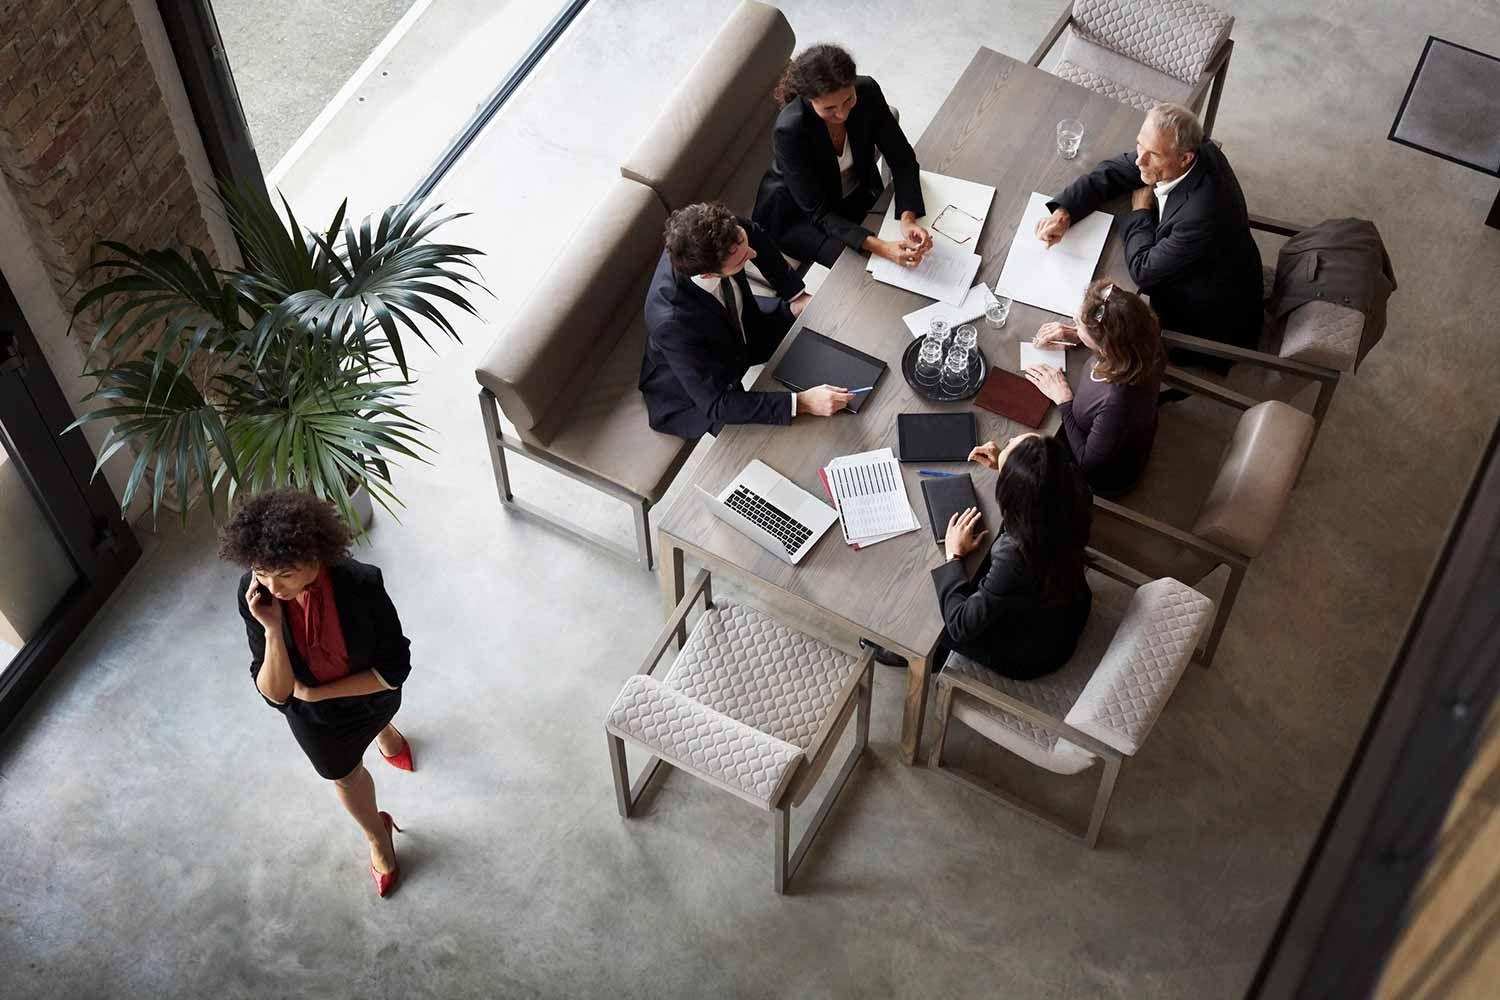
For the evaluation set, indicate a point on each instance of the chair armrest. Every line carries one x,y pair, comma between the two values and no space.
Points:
1051,38
1180,379
1269,225
1184,538
1210,70
1033,715
820,750
1213,348
1113,568
669,630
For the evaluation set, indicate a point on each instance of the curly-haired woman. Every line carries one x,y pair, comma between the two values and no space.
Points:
824,178
326,648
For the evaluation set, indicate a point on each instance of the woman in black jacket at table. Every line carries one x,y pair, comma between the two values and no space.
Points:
326,648
1022,613
824,178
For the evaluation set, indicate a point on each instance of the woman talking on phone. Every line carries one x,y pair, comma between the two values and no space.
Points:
326,648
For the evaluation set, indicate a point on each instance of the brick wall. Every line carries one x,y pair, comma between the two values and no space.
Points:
86,144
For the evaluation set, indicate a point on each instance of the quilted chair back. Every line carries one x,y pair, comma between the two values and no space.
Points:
1175,37
1151,648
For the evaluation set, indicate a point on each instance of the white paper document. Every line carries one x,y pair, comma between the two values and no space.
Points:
870,496
948,200
973,307
813,279
946,272
1032,355
1053,278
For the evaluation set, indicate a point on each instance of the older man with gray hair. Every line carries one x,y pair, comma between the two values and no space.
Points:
1187,238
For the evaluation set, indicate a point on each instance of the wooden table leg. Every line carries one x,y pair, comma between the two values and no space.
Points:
673,586
915,712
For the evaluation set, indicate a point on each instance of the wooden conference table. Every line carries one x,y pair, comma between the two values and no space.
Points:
997,126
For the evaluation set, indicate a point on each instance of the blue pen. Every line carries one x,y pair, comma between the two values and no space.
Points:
934,472
865,389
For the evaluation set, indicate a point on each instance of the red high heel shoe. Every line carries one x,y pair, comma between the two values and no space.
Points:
385,882
402,757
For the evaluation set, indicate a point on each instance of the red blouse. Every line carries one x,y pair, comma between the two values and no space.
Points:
317,633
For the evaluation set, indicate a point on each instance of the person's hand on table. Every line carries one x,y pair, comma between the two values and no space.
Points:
823,400
1052,382
914,236
1052,228
799,303
1055,333
961,538
899,252
987,455
1143,198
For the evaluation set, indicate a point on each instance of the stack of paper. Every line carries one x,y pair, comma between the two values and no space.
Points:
956,210
1031,356
973,307
1054,277
945,273
870,496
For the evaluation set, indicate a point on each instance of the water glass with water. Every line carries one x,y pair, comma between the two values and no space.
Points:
997,312
1069,137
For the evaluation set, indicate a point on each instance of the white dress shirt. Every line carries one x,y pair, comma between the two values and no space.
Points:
1164,188
846,168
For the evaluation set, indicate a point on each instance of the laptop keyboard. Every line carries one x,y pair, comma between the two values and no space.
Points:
788,531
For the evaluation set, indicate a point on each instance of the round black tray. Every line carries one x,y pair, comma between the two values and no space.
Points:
979,369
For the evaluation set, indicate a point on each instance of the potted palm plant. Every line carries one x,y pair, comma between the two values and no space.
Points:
289,370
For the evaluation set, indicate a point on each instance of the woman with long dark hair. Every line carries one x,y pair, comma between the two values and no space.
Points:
824,178
1022,613
1109,418
326,649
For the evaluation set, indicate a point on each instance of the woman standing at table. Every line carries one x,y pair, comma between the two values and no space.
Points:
824,178
1022,613
326,649
1109,419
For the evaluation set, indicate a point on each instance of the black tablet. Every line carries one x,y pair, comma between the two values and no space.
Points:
814,359
935,437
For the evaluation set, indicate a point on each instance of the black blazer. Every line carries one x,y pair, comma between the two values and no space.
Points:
1000,620
695,360
372,635
803,183
1198,262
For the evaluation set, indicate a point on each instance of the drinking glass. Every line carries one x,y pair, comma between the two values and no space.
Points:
1069,137
937,330
929,362
997,312
956,370
966,337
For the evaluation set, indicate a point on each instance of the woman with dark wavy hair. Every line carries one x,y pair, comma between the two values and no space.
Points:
1022,613
824,178
326,648
1109,419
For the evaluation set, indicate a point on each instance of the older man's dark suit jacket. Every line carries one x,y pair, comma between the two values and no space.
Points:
695,358
1198,262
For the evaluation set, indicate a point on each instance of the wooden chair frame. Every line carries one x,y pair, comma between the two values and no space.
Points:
1213,75
1087,833
498,443
853,700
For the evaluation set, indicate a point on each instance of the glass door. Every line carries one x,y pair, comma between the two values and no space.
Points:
63,544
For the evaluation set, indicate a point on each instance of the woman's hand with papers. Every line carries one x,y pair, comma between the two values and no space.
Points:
914,236
1055,335
1052,382
1053,227
961,538
823,400
896,251
987,455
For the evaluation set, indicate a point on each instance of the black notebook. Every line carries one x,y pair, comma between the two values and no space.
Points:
935,437
814,360
946,496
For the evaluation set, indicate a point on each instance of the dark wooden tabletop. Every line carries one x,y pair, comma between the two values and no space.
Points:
996,127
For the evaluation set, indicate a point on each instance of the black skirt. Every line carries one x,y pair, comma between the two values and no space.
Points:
335,733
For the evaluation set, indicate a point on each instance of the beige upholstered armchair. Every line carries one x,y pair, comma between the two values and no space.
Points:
1097,709
749,706
1144,52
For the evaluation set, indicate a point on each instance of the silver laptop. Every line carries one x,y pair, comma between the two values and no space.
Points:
763,504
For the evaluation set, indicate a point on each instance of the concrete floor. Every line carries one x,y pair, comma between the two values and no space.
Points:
290,57
165,838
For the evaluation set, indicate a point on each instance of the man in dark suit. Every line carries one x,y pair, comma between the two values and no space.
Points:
1187,238
705,328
